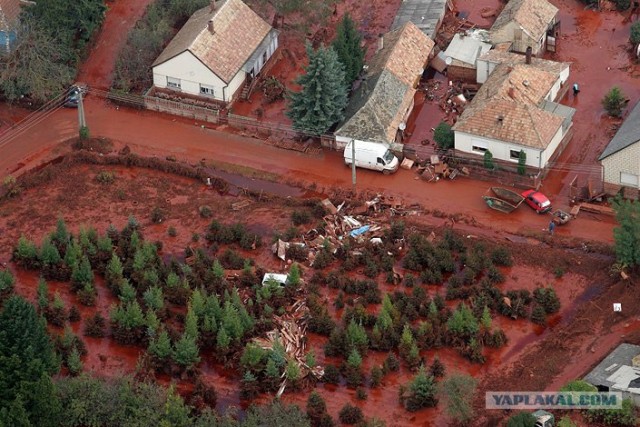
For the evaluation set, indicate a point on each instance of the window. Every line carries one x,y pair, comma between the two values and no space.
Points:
628,179
173,82
206,90
478,148
264,58
514,154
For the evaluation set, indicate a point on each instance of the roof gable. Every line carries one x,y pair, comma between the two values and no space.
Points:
507,107
377,107
628,134
533,16
237,32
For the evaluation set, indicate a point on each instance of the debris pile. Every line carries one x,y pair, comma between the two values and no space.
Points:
361,224
291,332
435,168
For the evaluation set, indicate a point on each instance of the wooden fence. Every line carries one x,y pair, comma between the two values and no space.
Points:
181,109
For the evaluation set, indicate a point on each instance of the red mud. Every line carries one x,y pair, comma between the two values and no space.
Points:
121,16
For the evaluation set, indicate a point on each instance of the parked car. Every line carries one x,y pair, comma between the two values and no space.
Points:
73,96
371,155
538,201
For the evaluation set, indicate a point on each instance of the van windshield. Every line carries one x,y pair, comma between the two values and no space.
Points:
388,156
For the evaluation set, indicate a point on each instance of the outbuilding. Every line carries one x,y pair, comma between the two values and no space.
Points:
9,24
619,371
621,157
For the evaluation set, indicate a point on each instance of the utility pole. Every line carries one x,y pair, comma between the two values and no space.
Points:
82,123
353,163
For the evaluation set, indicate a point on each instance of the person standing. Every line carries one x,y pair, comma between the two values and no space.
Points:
552,227
576,89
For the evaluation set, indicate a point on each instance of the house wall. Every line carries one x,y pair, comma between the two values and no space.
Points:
465,74
7,40
500,150
552,147
270,49
510,32
626,160
192,73
484,69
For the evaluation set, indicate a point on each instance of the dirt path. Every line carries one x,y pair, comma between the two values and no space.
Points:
122,15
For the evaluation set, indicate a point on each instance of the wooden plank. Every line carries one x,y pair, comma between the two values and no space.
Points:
590,207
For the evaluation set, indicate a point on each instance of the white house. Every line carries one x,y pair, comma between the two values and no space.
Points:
383,101
621,158
525,23
515,110
218,50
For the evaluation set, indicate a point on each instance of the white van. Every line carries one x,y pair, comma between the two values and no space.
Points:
372,155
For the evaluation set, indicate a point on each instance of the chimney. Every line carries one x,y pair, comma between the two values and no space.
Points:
528,60
210,26
212,5
380,42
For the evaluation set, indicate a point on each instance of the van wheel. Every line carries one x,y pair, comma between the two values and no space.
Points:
386,171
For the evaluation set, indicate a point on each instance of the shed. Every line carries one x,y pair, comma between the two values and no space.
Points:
621,157
9,23
462,53
427,15
275,277
616,372
526,23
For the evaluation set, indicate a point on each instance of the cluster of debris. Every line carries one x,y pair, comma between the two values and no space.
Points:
290,333
435,168
362,223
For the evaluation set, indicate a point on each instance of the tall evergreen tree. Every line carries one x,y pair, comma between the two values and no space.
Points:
348,47
627,234
27,360
323,97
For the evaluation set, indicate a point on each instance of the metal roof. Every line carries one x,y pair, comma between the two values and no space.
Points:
608,373
466,49
425,14
628,134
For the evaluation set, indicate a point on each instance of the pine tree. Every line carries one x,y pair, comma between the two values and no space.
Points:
160,348
73,254
613,102
81,274
43,295
153,298
127,292
522,163
293,278
61,236
323,97
348,48
74,363
49,253
316,406
114,273
421,392
186,352
222,340
627,234
191,324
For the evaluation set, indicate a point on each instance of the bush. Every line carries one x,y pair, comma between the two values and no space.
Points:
613,102
488,160
157,215
622,4
444,136
331,375
521,419
548,299
300,217
205,211
106,177
420,392
84,133
361,394
626,416
635,33
95,326
350,414
502,256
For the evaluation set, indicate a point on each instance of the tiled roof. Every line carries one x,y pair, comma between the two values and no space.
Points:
9,11
507,107
534,16
510,58
238,31
377,107
628,134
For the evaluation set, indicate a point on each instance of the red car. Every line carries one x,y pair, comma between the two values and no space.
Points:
538,201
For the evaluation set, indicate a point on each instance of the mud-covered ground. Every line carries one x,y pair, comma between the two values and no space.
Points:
535,358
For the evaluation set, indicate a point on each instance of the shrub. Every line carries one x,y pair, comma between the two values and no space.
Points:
625,416
6,282
501,256
522,163
350,414
521,419
316,406
376,376
361,394
437,368
578,385
300,217
444,136
84,133
391,363
331,375
95,326
74,314
106,177
323,259
613,102
232,260
548,299
635,33
488,160
296,253
622,4
157,215
205,211
458,391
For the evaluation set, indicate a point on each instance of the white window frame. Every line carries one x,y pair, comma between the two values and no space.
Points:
629,182
206,90
173,83
479,149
